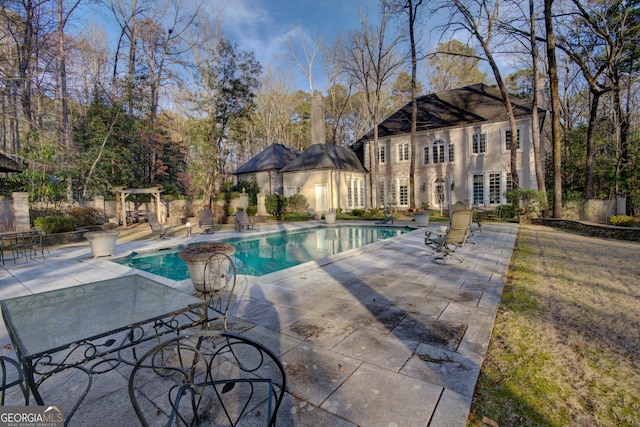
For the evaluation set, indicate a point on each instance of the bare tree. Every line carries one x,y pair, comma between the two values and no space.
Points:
480,18
309,53
372,60
597,40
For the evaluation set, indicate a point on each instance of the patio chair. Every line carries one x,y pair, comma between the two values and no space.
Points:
10,376
455,236
244,223
219,285
208,378
205,220
158,229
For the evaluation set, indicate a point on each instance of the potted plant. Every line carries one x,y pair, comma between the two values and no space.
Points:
196,257
422,217
102,242
330,216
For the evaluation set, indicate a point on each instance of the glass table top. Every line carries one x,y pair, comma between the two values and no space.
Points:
56,319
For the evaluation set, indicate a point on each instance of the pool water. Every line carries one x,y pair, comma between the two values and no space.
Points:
260,255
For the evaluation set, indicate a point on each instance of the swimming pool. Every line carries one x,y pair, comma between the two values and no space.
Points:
268,253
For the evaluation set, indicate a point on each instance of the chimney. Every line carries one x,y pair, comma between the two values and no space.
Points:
317,119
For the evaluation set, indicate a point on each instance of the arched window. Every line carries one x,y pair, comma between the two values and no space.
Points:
438,147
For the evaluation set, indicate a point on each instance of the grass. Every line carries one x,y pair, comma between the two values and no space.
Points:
565,344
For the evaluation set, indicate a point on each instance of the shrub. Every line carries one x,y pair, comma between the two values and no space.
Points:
374,212
56,224
276,204
239,209
358,212
252,210
529,201
86,217
230,211
297,202
624,221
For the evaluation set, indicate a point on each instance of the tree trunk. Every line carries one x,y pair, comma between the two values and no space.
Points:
555,110
535,128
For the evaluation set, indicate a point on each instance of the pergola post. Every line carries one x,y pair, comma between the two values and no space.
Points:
124,193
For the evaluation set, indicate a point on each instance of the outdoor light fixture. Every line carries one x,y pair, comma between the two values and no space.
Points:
298,189
424,187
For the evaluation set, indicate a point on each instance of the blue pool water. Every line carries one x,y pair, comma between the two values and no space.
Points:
259,255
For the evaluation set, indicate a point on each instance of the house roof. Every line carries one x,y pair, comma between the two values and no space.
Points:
9,165
274,157
326,156
457,107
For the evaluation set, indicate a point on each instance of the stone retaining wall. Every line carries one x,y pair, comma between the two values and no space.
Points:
592,229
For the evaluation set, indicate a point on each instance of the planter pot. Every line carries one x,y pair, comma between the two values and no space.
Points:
102,242
330,217
196,258
422,218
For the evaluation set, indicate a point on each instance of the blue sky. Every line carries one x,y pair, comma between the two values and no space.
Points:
265,26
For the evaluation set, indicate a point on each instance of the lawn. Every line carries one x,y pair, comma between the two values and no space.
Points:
565,346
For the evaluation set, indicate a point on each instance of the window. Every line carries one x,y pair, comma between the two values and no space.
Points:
494,189
479,143
392,198
489,188
451,151
425,155
403,152
404,192
382,194
438,151
355,193
510,185
478,189
382,154
507,140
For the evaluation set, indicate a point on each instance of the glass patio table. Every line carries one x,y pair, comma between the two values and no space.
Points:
87,327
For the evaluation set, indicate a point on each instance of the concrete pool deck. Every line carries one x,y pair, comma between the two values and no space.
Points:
377,336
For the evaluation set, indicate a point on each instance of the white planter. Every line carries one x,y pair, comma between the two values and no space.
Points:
422,218
102,242
330,217
196,258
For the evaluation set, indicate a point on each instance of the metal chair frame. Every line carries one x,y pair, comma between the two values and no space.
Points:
209,378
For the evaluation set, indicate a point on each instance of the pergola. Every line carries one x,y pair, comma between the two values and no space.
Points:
122,194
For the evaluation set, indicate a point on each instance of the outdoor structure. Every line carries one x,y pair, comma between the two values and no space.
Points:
464,141
464,156
123,193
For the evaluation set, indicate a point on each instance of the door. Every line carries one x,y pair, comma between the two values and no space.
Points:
321,198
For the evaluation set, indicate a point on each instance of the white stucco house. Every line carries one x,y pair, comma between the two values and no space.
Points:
463,140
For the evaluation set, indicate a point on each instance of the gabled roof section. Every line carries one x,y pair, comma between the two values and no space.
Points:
326,156
274,157
457,107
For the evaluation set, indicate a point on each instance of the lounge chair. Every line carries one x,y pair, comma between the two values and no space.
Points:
158,229
205,220
244,223
455,237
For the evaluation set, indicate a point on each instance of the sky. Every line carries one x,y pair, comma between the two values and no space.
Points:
266,26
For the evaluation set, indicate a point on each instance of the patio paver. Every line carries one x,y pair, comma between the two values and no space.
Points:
373,337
